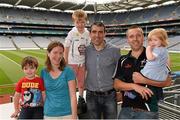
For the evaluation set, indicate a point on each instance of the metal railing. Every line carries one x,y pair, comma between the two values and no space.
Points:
167,109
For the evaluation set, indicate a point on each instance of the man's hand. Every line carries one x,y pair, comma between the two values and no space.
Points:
143,91
168,82
138,78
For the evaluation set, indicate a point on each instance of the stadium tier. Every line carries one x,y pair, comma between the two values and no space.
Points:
29,24
25,31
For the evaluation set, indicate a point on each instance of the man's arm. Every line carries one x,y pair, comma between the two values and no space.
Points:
138,78
123,86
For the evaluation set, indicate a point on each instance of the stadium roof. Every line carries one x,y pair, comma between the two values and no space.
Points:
87,5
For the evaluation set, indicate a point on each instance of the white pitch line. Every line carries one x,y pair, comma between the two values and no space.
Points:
7,84
10,59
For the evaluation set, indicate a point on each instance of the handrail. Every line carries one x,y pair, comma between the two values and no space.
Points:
171,92
169,108
170,104
177,85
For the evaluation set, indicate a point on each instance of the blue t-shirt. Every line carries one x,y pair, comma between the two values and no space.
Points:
57,101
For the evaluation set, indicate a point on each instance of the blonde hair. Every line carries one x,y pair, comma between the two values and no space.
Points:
161,34
79,14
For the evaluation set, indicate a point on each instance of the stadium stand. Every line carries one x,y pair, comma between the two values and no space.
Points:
42,42
6,43
24,29
24,43
16,21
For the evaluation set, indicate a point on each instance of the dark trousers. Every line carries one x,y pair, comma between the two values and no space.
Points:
129,113
31,113
100,105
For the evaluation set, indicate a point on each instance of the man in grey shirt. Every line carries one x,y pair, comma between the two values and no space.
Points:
100,61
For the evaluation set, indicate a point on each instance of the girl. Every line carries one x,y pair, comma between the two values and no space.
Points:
157,56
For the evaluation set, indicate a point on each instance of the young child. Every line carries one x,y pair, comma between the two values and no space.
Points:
75,45
157,56
30,90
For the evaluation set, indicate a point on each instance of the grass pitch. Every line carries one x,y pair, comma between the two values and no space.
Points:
11,72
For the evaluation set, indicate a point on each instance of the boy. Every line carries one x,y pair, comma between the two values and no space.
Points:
75,45
30,89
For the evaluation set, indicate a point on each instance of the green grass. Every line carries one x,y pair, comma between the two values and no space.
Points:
175,61
10,69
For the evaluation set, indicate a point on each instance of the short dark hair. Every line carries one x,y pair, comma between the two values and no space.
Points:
31,61
99,24
134,27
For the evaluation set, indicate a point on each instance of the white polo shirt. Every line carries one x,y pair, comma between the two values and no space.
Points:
77,44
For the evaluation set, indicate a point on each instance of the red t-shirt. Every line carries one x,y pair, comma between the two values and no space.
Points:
31,91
